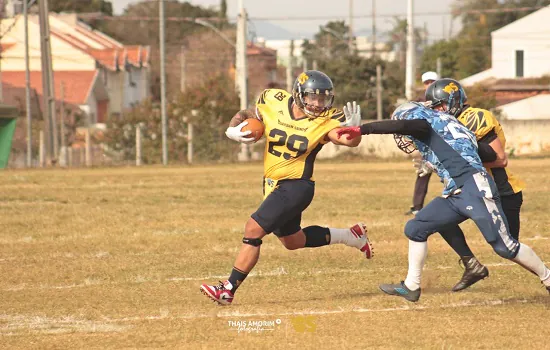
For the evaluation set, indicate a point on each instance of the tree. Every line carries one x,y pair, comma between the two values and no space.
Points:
398,38
331,41
102,6
446,51
214,105
222,14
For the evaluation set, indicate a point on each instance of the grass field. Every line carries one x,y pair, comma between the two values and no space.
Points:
113,258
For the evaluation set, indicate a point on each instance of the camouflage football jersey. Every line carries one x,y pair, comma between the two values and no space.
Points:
451,148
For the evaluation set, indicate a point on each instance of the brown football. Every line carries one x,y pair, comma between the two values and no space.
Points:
256,126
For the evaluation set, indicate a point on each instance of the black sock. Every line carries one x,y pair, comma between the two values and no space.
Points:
317,236
455,238
236,278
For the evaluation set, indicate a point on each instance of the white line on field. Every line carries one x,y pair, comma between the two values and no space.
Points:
339,310
280,271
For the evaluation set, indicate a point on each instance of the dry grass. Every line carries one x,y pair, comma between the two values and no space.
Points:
112,258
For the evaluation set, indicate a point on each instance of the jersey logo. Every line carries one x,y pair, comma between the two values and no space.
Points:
279,96
476,121
450,88
302,78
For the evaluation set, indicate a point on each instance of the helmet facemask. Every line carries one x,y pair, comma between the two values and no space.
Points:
316,103
404,142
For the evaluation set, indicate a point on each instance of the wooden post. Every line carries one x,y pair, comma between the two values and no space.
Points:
190,143
88,148
379,92
41,150
63,153
138,145
70,156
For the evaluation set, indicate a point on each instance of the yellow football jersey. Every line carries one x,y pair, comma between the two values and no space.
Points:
292,143
483,124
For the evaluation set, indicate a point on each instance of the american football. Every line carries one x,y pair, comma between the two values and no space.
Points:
257,128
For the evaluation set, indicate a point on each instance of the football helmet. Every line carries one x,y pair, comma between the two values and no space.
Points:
403,142
448,92
313,92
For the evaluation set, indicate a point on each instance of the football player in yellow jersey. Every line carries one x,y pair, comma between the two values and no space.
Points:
488,132
297,125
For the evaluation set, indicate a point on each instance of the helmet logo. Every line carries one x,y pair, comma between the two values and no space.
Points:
450,88
303,78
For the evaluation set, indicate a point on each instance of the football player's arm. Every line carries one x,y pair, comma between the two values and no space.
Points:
243,115
333,137
492,154
417,128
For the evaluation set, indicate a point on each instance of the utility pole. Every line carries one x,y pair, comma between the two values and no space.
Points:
163,83
27,85
47,79
350,38
242,69
183,83
410,65
63,153
378,92
373,28
290,67
438,67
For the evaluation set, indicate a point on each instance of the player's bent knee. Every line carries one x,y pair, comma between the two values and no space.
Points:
414,231
255,242
253,230
502,251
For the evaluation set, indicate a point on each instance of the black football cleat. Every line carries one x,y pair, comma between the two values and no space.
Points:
474,271
401,290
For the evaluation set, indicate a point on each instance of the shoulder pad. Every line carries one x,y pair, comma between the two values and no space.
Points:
479,121
272,95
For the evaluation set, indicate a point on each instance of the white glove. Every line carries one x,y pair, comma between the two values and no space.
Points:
353,114
423,167
235,133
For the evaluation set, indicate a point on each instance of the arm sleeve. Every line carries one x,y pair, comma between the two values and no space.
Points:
489,137
417,128
486,152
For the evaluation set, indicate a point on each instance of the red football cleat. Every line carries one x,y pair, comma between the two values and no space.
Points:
359,231
220,293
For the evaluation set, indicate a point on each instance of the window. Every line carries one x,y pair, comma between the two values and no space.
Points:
519,63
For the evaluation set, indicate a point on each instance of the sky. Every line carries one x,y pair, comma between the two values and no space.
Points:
268,15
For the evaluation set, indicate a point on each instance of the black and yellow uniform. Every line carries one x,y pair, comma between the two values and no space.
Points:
486,129
291,147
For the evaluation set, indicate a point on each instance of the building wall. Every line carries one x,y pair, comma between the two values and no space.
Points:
536,55
64,56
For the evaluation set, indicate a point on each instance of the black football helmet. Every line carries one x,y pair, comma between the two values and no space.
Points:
448,91
313,92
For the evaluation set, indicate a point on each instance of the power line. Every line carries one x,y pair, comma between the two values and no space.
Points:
309,18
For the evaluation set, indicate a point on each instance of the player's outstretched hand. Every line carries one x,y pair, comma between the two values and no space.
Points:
423,167
352,111
351,132
235,133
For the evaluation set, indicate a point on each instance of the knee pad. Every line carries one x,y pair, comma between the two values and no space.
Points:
500,248
256,242
414,231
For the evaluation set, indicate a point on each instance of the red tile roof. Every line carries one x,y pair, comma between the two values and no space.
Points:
6,46
252,49
106,57
78,84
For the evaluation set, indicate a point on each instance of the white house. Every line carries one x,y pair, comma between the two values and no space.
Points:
520,49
